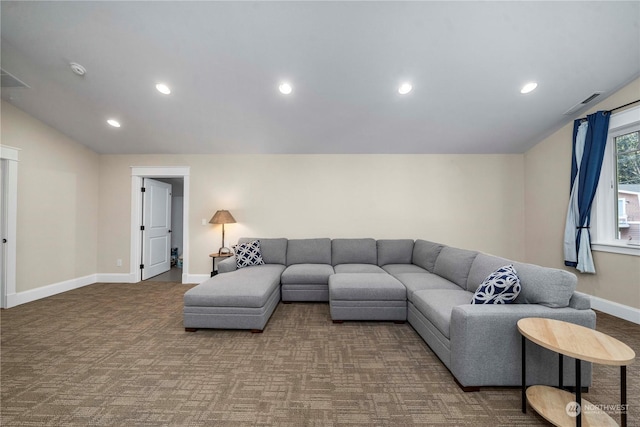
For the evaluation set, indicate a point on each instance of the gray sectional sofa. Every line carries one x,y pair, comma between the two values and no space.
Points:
425,283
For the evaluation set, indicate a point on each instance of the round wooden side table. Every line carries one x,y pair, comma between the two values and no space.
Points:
581,343
215,256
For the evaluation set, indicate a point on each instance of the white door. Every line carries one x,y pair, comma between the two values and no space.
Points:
156,232
3,233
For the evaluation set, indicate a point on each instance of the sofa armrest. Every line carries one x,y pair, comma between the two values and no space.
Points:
227,265
580,301
482,335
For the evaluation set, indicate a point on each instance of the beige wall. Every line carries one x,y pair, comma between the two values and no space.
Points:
471,201
547,175
57,226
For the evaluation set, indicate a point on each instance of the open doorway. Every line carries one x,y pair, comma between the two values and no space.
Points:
175,210
174,247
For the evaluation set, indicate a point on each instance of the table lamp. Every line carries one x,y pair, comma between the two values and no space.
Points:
223,217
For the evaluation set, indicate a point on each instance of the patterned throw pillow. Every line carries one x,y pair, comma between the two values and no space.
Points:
501,287
248,254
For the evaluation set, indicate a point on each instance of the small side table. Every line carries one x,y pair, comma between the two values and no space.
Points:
580,343
213,259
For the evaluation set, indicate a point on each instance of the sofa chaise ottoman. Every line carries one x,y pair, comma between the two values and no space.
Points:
367,296
240,299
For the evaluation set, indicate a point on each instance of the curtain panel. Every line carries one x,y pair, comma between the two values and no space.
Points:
589,142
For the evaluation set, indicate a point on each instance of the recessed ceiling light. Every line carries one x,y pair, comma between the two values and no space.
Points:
285,88
77,68
529,87
405,88
114,123
163,88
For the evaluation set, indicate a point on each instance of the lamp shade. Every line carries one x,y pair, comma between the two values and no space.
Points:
222,217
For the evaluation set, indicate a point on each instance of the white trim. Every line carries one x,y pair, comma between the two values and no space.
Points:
24,297
10,154
14,299
624,118
115,278
160,171
137,173
185,227
616,248
136,218
195,278
615,309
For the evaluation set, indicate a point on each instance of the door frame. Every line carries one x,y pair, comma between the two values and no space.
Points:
137,173
10,183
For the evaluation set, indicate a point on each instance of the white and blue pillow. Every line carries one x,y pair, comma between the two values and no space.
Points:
248,254
500,287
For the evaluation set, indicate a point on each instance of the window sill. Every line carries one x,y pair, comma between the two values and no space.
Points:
616,248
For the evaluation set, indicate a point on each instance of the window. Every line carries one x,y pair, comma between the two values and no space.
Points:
615,225
628,186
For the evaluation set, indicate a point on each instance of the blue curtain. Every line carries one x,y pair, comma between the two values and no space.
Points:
589,142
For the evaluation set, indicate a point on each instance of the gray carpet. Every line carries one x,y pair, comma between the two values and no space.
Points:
117,354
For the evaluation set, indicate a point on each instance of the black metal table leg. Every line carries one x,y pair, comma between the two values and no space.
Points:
623,395
578,393
560,370
524,376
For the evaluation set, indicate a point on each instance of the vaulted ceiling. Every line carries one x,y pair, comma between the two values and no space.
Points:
224,62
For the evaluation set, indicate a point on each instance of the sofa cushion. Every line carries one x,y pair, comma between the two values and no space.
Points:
394,269
437,304
354,251
397,251
550,287
247,287
539,285
366,287
425,254
307,273
454,264
309,251
248,254
358,268
483,265
274,250
500,287
418,282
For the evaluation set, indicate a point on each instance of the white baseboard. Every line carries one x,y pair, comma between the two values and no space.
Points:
24,297
615,309
116,278
194,278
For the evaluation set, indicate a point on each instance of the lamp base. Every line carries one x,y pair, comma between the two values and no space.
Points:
224,251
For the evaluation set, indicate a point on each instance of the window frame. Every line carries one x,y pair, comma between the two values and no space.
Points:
604,212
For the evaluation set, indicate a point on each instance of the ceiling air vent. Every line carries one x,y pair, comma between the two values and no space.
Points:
581,105
9,80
